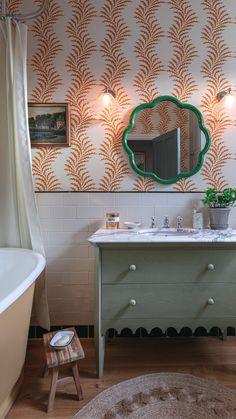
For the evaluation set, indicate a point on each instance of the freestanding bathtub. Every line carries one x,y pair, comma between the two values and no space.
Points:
19,268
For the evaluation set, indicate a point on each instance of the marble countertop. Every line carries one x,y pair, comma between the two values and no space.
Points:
170,236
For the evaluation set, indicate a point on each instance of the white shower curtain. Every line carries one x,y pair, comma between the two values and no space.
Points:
19,222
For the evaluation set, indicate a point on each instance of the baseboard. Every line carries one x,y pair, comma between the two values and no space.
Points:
87,331
83,331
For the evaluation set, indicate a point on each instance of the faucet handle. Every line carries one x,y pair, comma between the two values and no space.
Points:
179,222
152,222
166,223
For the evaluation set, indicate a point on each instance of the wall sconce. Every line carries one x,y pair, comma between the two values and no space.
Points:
108,97
104,100
226,98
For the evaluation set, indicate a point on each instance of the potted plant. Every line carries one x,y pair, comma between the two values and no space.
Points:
219,204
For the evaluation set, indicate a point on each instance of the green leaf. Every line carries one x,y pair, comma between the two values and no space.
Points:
219,199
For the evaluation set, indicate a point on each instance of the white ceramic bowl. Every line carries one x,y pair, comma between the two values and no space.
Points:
132,225
59,335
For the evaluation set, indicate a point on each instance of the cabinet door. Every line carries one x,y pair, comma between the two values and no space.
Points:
185,265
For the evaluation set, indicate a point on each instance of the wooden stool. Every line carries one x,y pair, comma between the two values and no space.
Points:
54,358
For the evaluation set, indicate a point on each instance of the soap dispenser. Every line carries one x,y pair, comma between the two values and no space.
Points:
197,219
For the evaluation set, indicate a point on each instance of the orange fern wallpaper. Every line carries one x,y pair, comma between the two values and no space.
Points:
140,49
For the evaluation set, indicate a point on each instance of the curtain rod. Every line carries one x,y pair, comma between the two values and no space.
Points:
23,17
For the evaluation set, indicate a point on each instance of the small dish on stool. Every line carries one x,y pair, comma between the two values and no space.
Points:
132,225
60,337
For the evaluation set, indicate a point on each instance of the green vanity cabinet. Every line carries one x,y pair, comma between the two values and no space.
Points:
154,286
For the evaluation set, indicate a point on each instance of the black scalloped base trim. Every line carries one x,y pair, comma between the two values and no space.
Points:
87,331
170,332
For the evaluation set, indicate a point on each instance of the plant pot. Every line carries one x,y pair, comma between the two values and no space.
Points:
219,218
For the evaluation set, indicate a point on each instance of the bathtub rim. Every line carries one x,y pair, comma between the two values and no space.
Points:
6,302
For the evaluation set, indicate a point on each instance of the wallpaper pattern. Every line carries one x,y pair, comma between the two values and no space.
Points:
116,68
218,52
83,80
140,49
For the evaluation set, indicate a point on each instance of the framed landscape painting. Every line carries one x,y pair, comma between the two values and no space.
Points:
49,124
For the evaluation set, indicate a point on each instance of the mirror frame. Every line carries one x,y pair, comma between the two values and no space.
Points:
152,104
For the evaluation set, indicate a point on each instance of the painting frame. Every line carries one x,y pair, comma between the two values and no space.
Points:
140,160
57,135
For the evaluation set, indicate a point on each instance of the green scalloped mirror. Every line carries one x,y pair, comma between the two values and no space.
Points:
166,139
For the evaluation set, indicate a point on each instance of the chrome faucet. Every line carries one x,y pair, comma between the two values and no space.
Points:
152,222
166,223
179,223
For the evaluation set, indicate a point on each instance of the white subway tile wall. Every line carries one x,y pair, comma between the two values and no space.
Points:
68,219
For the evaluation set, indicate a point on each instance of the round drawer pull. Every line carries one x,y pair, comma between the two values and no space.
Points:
210,301
132,302
132,267
210,267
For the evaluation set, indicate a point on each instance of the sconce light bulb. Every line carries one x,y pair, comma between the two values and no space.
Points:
226,99
107,99
229,101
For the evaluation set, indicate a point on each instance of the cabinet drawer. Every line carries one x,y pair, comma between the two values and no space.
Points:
120,266
168,301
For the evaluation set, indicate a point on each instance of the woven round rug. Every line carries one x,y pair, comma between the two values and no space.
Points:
162,396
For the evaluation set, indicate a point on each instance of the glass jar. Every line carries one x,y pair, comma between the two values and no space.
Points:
112,220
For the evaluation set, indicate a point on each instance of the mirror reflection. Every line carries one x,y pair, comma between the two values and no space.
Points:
166,140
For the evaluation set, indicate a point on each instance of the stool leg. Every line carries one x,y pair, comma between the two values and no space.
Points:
77,380
45,371
53,389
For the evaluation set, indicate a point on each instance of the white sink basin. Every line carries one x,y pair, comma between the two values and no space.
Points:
168,231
